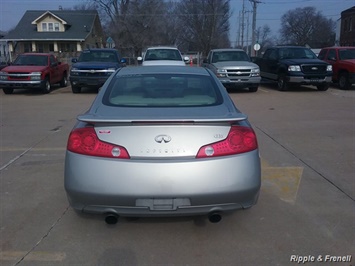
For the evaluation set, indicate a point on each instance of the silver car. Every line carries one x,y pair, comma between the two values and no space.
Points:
162,55
162,141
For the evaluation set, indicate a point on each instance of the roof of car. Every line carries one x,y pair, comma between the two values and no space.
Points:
163,69
100,49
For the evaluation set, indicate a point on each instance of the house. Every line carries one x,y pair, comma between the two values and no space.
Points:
347,27
62,32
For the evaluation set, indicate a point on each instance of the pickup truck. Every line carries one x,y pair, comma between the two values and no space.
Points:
34,71
294,66
233,68
343,61
94,67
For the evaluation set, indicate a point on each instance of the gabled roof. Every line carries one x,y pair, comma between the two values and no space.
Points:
46,14
79,25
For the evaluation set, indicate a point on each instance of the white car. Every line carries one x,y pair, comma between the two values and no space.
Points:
162,55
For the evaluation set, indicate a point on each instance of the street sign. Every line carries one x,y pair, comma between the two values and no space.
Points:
257,47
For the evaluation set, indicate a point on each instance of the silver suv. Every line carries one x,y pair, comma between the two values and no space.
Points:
162,55
233,68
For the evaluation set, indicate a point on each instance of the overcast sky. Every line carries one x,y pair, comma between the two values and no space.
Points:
268,11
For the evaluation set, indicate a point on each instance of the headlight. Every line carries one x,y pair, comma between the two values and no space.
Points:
221,72
74,71
3,75
255,72
112,69
36,75
294,68
329,68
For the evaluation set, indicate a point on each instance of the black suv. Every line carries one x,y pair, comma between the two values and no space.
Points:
294,65
94,67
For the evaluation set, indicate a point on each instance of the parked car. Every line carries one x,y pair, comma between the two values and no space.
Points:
234,68
162,55
162,141
36,71
342,60
294,66
94,67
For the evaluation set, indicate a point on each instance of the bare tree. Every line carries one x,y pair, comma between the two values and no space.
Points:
303,26
205,23
264,38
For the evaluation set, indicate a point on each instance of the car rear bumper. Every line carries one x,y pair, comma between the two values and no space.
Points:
171,188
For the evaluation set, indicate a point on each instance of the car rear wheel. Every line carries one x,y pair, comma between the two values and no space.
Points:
75,89
8,90
46,88
344,83
323,87
282,83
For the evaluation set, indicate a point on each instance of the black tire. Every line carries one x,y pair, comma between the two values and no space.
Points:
64,81
8,90
282,84
323,87
344,83
75,89
46,87
253,89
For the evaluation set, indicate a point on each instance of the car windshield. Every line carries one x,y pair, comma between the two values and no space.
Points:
296,53
162,90
163,54
31,60
346,54
97,56
230,56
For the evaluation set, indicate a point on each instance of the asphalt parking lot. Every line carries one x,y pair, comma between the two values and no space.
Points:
305,213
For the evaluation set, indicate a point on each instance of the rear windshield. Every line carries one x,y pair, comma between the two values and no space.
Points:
162,90
163,54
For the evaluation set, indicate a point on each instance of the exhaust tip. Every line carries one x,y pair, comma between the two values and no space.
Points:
111,218
214,217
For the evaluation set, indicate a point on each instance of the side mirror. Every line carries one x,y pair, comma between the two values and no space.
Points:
186,59
139,59
123,61
332,58
74,60
205,61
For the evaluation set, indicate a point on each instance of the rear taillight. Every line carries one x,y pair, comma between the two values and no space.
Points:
85,141
239,140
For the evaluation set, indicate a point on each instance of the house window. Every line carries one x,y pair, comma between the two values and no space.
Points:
40,47
44,27
56,26
27,47
50,26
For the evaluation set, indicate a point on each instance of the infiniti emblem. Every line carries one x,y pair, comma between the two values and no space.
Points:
162,138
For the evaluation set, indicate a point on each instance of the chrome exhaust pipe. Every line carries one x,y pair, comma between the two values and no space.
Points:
111,218
214,217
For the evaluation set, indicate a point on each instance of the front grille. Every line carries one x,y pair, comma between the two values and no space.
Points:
238,72
95,74
314,69
18,76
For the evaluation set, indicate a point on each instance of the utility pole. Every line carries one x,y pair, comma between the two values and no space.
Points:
242,31
253,41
